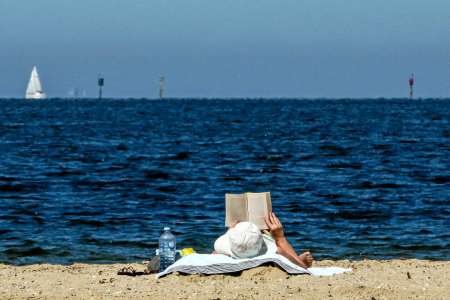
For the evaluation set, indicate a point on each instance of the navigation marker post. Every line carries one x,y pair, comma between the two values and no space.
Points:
411,86
161,87
101,83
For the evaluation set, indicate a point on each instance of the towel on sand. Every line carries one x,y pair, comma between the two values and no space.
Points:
220,264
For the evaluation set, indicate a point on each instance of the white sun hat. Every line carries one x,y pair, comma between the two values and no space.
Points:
242,241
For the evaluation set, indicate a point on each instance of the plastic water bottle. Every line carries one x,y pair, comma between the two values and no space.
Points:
167,249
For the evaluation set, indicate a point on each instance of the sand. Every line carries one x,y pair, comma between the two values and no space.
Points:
370,279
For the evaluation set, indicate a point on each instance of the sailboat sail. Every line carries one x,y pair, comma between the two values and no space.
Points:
34,88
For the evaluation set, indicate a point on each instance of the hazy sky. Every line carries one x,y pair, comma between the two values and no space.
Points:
227,48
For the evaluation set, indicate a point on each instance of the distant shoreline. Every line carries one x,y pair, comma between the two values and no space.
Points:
232,99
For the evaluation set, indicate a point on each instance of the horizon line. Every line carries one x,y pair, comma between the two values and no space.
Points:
228,98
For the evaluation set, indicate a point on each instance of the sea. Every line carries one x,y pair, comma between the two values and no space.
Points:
95,181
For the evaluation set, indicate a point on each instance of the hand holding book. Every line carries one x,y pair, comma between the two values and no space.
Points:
275,226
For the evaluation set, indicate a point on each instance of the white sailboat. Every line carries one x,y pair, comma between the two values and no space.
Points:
34,88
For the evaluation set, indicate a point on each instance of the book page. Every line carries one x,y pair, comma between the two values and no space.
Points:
235,209
259,205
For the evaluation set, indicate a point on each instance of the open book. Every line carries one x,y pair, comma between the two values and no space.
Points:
251,207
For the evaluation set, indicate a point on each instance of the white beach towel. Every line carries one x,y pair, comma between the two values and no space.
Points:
221,264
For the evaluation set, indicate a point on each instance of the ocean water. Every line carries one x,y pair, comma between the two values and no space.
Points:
95,181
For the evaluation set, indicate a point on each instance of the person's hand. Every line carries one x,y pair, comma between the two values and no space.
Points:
275,226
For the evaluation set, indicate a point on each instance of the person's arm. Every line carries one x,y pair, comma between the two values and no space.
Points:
283,246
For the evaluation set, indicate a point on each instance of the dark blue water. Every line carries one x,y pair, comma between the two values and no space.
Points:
91,181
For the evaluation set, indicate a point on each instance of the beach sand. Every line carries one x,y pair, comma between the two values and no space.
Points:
370,279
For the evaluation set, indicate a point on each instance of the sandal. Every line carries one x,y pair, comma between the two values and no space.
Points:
129,271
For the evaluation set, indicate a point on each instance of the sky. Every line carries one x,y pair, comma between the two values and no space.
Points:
227,48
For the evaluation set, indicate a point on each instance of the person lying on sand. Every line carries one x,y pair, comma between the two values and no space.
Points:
245,240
